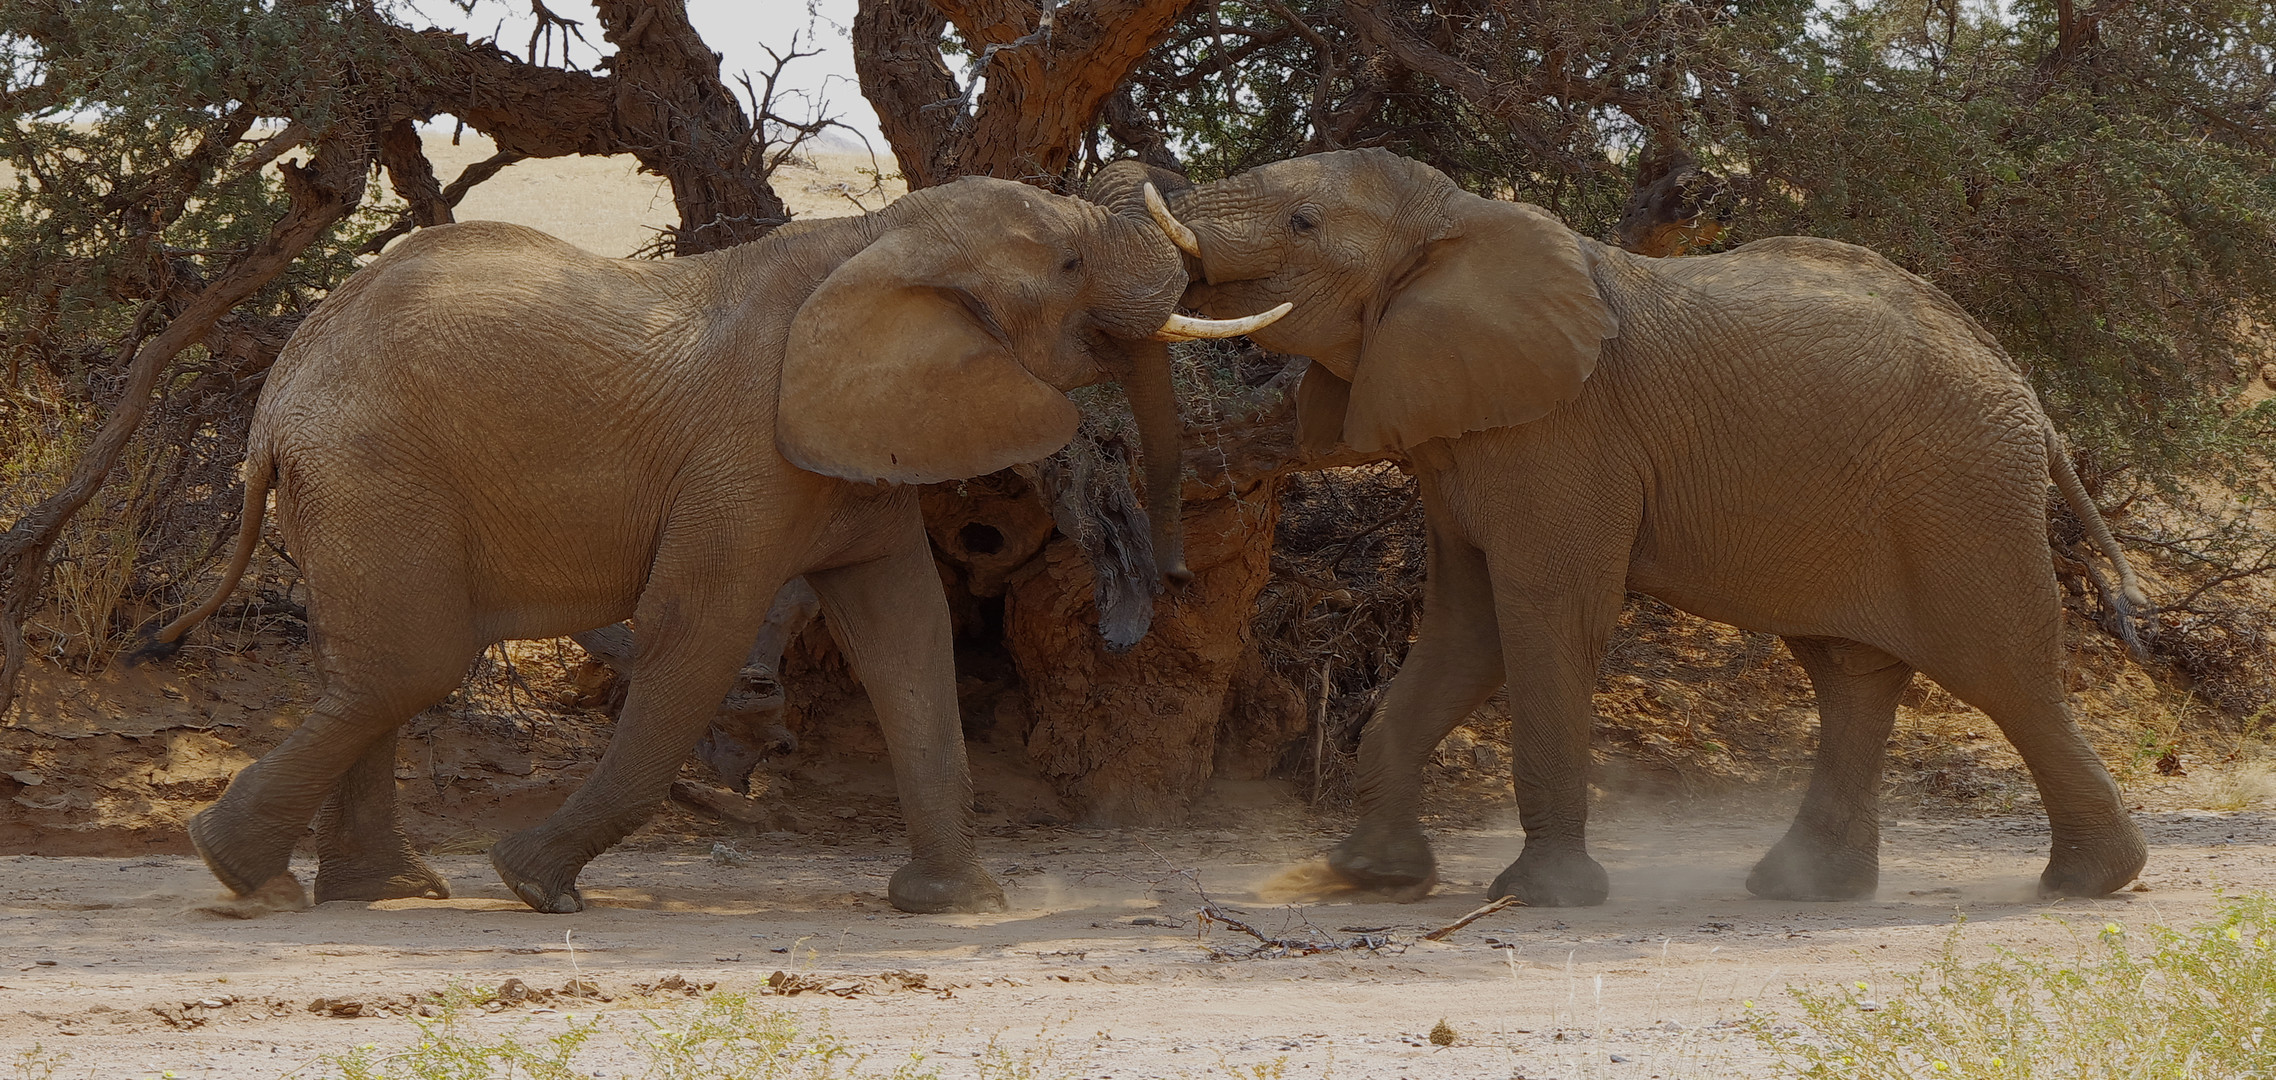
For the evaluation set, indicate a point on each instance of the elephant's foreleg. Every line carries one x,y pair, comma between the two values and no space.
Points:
361,852
693,639
1833,849
892,620
1454,666
1551,642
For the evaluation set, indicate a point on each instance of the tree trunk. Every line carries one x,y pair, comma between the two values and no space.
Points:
1131,739
1128,737
322,193
681,121
1049,68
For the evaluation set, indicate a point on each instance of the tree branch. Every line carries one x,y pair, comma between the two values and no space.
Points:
322,193
1048,68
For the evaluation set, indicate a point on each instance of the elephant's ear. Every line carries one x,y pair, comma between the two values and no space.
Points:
1498,322
889,376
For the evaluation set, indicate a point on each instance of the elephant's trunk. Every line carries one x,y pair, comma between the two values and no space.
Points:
1121,188
1161,438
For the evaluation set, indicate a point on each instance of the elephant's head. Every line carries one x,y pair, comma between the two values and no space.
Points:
1427,311
942,349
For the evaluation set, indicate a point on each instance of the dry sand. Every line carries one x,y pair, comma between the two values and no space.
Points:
606,205
1102,961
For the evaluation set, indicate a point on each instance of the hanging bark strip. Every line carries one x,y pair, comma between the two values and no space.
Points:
323,192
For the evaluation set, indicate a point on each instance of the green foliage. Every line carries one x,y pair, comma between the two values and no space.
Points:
129,179
127,122
2098,196
2145,1004
2105,213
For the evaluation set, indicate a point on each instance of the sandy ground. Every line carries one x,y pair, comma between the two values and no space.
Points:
607,206
1101,964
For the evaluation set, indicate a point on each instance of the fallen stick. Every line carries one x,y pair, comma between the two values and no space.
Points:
1491,907
720,801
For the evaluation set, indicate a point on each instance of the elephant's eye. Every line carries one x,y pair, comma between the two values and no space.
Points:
1301,221
1073,263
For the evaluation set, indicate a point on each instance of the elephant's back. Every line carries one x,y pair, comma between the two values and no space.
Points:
492,326
1783,287
505,399
1809,414
1829,335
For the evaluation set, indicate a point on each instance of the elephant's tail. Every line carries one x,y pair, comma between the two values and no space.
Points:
260,475
2127,602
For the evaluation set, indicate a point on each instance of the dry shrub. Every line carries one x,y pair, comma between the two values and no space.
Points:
2132,1001
149,543
1342,607
86,619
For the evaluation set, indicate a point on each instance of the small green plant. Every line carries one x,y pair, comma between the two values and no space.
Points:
2155,1002
730,1036
38,1063
1042,1061
1276,1069
2156,750
446,1050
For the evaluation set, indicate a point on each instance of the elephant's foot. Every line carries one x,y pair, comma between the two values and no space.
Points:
1798,869
1564,879
242,870
402,875
541,884
1394,860
2097,866
927,889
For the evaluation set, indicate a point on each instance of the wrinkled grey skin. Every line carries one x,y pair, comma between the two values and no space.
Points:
488,434
1794,437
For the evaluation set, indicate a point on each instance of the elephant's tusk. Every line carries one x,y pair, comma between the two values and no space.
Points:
1179,234
1187,328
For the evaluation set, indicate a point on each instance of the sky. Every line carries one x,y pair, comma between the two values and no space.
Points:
740,30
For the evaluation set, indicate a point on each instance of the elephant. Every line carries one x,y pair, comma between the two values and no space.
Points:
748,725
1795,437
488,434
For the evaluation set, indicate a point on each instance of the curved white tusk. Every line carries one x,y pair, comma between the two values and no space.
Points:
1187,328
1179,234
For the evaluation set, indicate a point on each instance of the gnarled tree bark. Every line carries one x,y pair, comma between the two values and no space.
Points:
1128,737
1048,69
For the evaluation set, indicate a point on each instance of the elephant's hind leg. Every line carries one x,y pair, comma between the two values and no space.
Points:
1833,849
1454,666
361,852
2097,847
247,837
